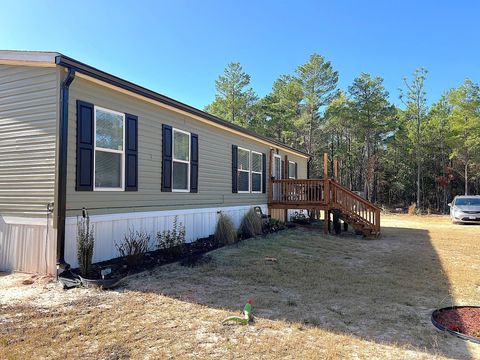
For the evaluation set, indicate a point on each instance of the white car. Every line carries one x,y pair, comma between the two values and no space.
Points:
465,209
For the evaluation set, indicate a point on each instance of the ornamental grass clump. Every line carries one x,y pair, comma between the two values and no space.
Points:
251,224
225,232
134,246
85,244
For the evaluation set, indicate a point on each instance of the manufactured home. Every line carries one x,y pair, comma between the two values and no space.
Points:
73,137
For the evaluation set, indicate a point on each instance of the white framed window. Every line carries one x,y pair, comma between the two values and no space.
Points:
243,170
181,143
291,169
109,150
257,170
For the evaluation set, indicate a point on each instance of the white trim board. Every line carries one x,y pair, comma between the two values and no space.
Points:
19,220
140,215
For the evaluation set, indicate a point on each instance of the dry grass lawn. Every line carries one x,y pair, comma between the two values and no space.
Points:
326,297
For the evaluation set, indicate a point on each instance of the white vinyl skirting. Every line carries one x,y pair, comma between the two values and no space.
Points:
25,245
111,228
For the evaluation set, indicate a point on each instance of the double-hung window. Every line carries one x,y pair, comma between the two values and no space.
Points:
249,171
256,172
181,161
109,163
291,170
243,170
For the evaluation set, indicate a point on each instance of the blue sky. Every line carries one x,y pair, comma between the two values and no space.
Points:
179,48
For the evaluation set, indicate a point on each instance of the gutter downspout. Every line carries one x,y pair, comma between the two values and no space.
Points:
62,169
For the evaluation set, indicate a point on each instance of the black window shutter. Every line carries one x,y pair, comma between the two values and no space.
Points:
84,176
283,170
296,170
234,168
264,173
194,163
166,158
131,152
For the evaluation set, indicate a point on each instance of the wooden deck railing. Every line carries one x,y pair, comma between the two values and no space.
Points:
323,193
297,191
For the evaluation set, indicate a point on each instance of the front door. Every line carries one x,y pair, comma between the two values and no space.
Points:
277,175
277,167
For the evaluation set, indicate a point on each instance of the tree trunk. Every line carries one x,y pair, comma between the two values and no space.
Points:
467,156
418,184
466,176
417,153
310,131
444,165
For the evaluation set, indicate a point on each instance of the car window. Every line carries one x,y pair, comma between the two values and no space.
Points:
467,201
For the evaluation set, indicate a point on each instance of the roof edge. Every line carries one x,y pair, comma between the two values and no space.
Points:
28,56
91,71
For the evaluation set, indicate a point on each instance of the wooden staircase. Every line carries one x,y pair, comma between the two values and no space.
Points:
356,211
329,196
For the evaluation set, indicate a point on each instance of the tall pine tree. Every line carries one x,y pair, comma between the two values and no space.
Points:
234,99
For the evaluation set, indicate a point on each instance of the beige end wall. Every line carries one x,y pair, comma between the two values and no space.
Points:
28,126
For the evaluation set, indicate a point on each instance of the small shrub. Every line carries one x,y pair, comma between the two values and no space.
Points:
225,232
134,246
291,303
172,241
85,244
412,209
273,225
251,224
299,218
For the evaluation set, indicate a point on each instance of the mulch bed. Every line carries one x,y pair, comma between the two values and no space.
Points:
462,320
190,254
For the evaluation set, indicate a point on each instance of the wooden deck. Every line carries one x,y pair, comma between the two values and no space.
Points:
327,195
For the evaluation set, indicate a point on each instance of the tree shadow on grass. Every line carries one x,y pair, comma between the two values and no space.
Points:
381,290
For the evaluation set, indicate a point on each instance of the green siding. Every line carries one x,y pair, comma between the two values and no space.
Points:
214,159
28,125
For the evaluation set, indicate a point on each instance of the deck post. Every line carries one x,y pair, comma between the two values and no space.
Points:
326,184
335,169
326,221
325,165
285,176
270,182
326,189
377,213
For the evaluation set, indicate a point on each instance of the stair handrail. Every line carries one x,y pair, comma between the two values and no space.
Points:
354,195
373,208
